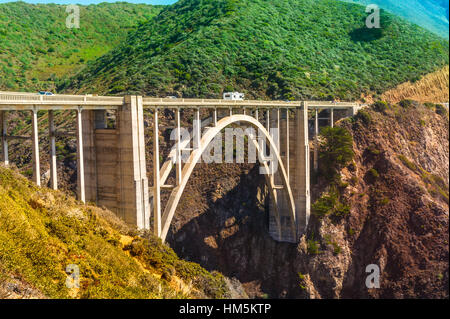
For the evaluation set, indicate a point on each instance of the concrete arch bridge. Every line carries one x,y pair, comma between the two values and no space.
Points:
111,163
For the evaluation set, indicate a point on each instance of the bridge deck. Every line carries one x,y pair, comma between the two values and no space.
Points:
28,101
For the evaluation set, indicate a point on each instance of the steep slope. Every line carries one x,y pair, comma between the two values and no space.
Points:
397,192
277,49
433,87
429,14
43,231
37,50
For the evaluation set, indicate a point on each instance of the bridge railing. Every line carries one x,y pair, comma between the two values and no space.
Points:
27,99
189,103
92,101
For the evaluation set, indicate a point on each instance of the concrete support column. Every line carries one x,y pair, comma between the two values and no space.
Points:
93,148
215,117
80,158
288,137
332,117
132,181
296,161
178,164
278,128
256,114
300,176
52,139
35,146
197,129
4,140
156,179
316,140
271,123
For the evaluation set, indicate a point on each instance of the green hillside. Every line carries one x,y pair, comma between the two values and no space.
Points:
269,49
37,50
43,231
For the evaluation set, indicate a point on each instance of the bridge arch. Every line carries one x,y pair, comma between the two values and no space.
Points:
195,156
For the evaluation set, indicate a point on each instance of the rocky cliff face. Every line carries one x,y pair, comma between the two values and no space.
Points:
397,189
398,193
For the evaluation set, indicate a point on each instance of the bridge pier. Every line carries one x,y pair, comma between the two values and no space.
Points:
115,171
52,139
132,186
35,146
316,140
80,158
157,225
287,146
294,151
179,162
331,117
300,182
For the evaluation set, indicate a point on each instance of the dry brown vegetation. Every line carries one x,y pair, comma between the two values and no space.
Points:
432,87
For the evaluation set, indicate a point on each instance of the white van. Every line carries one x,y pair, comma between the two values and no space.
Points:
233,96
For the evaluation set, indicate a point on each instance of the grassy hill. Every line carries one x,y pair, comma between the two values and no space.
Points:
43,231
278,49
37,50
430,14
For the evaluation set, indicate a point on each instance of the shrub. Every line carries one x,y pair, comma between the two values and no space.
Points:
302,283
324,205
336,247
374,173
336,150
364,117
313,247
341,210
330,205
405,103
380,106
407,162
440,109
372,150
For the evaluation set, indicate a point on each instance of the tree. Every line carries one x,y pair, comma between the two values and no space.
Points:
336,150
